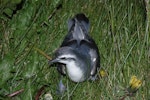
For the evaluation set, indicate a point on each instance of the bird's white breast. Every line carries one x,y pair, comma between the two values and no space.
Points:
75,73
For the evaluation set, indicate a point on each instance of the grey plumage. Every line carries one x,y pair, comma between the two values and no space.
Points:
78,49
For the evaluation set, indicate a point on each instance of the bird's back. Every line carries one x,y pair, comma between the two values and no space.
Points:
79,39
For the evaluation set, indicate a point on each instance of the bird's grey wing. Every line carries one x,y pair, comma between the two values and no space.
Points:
92,49
95,61
95,58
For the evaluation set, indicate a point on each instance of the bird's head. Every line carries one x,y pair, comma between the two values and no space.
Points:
64,55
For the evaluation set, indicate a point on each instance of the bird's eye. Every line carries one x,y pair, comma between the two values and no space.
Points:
63,58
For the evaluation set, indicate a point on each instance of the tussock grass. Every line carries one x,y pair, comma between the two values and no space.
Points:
120,29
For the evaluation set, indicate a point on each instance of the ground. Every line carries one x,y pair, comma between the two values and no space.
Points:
120,28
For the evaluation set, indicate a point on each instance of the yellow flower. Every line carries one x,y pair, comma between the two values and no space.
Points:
135,83
103,73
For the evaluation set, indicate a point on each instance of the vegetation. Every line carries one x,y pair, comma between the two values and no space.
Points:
119,27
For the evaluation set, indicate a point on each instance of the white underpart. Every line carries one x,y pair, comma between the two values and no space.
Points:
74,72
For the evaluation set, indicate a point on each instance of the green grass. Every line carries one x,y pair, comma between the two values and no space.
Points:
120,29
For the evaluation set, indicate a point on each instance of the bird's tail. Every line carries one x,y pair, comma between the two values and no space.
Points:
79,24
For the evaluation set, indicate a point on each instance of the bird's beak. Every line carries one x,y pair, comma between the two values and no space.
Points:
54,61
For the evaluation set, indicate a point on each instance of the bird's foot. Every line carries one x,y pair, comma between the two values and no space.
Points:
61,88
94,78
